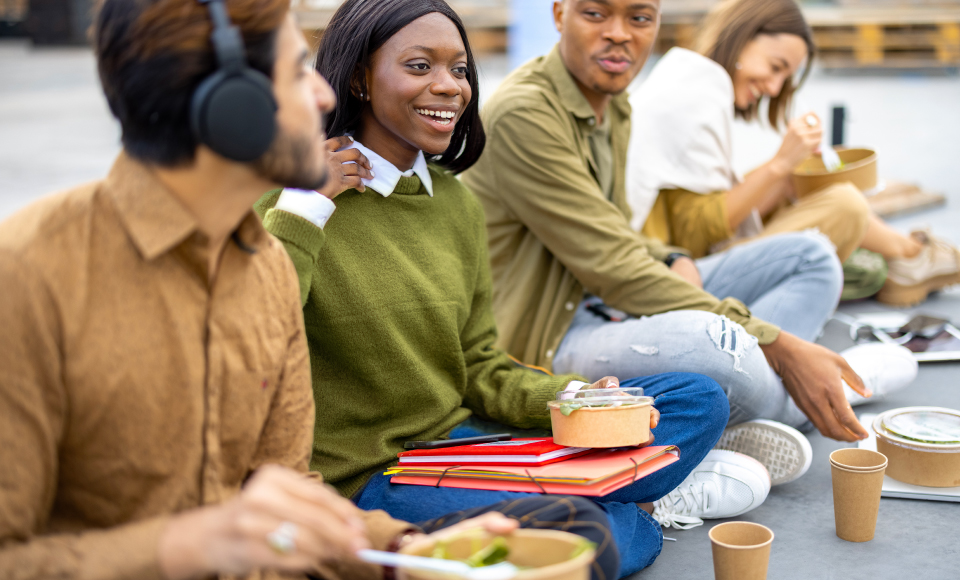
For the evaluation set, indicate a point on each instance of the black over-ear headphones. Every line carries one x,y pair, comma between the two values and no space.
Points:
233,110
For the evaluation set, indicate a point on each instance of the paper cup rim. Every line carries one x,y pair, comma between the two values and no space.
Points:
869,468
863,471
735,547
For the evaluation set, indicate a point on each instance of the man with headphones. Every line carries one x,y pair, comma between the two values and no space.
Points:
156,410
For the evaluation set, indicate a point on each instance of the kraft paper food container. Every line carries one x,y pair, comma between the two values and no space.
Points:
546,554
856,492
601,418
741,551
930,464
859,168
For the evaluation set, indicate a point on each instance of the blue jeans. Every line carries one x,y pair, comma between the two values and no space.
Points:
791,280
693,412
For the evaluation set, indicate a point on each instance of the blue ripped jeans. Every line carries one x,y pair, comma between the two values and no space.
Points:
791,280
693,413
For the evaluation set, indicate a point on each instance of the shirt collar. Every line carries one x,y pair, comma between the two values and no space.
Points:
570,94
155,219
386,174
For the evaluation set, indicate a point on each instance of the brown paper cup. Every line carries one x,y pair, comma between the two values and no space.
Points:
741,551
856,492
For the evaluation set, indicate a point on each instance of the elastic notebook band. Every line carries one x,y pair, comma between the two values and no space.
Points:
635,468
445,473
535,482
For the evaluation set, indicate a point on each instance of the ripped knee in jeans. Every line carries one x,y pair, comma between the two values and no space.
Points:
731,338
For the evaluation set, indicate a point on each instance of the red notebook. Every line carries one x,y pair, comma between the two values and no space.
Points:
530,452
593,474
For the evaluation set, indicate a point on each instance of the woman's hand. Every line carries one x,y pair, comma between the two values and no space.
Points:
232,538
801,141
345,168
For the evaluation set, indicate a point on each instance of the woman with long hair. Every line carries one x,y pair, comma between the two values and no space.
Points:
397,289
684,190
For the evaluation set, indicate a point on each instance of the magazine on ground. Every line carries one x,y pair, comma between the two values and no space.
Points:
930,338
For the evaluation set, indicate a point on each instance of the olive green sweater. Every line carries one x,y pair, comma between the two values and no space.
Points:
397,311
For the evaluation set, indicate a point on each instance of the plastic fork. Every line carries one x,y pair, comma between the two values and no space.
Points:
501,571
829,155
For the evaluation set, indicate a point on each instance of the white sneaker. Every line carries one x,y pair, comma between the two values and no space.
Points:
783,450
884,368
725,484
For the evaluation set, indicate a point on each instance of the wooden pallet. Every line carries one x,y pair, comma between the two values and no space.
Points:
898,198
907,37
13,10
887,37
486,21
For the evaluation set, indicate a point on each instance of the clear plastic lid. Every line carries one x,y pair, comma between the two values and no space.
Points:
925,425
568,401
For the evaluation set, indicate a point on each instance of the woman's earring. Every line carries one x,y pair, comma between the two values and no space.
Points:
738,66
363,96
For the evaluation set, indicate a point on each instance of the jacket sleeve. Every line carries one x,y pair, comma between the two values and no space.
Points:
33,407
301,238
547,188
498,387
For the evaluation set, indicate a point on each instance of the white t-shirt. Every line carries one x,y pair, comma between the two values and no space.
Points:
681,135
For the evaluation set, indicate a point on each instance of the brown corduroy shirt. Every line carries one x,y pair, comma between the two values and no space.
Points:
130,389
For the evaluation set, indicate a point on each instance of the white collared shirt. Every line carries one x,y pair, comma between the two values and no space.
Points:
317,209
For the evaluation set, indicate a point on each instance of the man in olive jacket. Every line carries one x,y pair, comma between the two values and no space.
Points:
577,290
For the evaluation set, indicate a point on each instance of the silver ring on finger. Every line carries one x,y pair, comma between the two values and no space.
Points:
283,540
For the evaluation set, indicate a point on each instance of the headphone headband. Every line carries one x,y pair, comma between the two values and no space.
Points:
233,110
225,37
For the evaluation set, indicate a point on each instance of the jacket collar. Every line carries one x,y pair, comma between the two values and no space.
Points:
155,219
570,95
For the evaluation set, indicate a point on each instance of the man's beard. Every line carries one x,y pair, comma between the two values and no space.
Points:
289,162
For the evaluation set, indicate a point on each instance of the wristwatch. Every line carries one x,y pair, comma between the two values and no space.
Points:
673,257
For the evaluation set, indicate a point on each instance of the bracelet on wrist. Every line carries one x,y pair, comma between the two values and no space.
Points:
673,257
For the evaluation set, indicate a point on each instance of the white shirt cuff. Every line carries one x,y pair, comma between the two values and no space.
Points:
572,387
309,205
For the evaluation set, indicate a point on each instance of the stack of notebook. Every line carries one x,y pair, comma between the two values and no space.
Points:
531,465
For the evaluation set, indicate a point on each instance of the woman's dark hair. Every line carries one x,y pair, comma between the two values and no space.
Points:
732,24
358,29
152,55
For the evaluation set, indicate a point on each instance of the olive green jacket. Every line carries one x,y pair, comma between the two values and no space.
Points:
553,234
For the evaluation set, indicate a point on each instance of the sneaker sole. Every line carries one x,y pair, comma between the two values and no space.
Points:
783,450
899,295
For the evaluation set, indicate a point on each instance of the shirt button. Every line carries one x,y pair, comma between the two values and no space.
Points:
591,121
549,354
569,305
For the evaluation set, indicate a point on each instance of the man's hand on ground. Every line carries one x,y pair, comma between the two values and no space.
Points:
687,269
812,375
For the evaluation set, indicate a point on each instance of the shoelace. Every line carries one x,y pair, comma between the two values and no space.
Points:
674,509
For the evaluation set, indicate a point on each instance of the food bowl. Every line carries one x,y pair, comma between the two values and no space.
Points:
601,417
859,168
922,445
541,554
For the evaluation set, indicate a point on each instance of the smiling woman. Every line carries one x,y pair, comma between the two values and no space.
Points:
371,45
681,183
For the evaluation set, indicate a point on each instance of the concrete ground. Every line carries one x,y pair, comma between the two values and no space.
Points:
56,131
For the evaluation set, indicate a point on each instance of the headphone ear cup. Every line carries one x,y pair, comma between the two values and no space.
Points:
234,114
